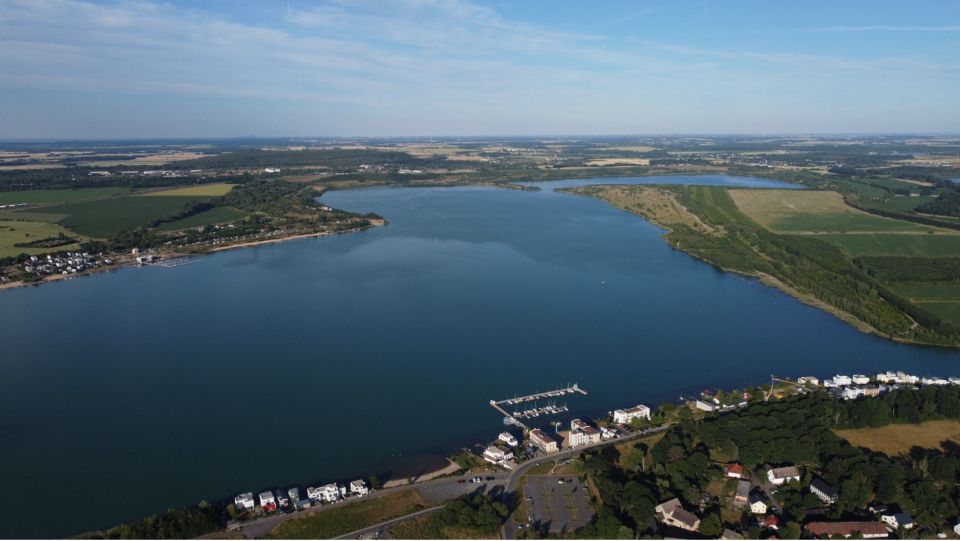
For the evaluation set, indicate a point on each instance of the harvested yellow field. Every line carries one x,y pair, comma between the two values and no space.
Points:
211,190
812,212
620,161
897,439
659,206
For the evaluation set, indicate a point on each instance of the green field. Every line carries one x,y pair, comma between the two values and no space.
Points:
842,222
904,203
104,217
58,196
945,292
718,206
12,233
893,244
949,311
216,215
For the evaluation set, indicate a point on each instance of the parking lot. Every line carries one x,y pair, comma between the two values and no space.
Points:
558,503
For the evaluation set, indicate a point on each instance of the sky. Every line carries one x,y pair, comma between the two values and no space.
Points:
231,68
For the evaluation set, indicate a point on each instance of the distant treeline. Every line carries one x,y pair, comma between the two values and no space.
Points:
336,159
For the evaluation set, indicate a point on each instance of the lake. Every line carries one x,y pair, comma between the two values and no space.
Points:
130,392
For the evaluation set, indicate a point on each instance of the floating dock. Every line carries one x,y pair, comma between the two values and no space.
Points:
532,412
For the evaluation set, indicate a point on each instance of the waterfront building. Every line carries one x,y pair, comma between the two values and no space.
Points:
244,501
860,379
498,455
705,406
542,441
509,439
624,416
582,434
267,501
359,488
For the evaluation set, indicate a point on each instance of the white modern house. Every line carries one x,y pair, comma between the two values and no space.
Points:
326,493
268,501
359,488
840,380
860,379
622,417
509,439
244,501
497,455
779,476
808,380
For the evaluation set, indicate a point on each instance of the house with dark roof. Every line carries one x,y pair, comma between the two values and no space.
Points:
822,490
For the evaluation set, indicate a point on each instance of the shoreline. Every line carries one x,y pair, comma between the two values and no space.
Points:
770,281
124,261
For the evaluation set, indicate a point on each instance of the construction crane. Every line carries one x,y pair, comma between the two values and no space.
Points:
773,380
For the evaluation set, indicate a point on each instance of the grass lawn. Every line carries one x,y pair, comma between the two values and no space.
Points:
896,439
58,196
327,524
216,215
892,244
803,211
12,233
202,190
105,217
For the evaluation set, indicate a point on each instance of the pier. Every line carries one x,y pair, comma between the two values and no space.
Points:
533,410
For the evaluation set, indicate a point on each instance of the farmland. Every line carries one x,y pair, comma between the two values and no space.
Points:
202,190
811,211
892,244
34,197
104,217
895,439
14,232
216,215
817,272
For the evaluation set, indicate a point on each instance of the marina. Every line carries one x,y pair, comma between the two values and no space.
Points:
536,411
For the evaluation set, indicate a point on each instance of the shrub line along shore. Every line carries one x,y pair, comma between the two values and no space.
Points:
130,260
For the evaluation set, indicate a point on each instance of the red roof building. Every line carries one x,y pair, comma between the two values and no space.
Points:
869,530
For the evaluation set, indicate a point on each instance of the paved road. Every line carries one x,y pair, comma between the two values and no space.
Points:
436,490
513,481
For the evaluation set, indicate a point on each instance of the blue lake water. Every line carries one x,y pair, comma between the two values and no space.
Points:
127,393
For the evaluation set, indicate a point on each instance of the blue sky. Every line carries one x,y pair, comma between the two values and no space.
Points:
139,68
